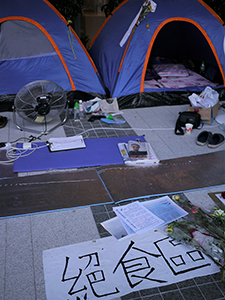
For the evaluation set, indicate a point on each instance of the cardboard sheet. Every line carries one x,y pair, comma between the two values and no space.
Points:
168,176
49,192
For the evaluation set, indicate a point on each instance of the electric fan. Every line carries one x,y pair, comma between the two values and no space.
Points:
40,102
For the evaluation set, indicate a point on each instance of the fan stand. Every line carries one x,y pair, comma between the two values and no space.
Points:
45,130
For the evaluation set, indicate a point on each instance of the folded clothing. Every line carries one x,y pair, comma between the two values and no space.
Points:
151,74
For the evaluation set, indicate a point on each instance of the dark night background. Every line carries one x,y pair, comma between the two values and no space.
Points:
76,10
70,9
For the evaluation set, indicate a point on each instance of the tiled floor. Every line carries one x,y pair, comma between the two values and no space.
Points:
23,238
202,288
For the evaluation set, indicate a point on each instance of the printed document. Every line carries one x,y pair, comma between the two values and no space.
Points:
138,217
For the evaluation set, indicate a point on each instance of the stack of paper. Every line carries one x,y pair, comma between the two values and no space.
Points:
139,217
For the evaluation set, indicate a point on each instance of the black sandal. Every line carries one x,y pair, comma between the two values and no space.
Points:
216,140
3,121
203,138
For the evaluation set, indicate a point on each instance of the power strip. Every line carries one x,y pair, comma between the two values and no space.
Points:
27,146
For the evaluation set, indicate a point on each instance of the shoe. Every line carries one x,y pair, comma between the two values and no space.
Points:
3,121
203,138
216,140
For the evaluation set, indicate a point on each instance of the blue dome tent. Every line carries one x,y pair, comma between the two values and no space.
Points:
36,43
135,36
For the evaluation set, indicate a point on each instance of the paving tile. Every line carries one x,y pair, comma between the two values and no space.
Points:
175,295
192,293
57,229
40,292
80,226
47,232
204,279
150,136
178,144
153,119
166,116
211,291
2,256
133,295
153,297
18,240
101,217
25,293
162,150
186,283
221,285
19,269
166,288
148,292
134,119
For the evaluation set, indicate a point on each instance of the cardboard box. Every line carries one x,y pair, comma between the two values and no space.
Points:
207,114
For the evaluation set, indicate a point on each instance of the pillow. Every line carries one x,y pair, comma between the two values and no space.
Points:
171,70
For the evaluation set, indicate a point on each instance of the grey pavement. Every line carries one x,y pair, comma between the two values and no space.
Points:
23,238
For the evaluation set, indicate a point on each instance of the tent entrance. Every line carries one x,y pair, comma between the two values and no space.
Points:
182,42
20,39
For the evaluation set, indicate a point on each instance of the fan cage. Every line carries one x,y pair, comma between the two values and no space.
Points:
40,102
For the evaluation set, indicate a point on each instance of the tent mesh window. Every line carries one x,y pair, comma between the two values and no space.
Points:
22,39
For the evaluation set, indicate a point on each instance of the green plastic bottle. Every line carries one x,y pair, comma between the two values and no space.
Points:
202,68
76,111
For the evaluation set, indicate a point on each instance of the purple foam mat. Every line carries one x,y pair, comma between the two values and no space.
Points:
98,152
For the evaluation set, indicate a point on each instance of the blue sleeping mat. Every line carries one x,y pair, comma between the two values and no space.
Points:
98,152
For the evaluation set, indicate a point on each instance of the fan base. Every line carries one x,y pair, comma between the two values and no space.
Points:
43,124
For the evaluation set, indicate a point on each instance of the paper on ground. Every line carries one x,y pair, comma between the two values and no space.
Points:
138,217
66,143
107,268
163,207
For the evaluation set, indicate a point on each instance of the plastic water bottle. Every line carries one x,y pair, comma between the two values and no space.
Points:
76,112
202,68
81,109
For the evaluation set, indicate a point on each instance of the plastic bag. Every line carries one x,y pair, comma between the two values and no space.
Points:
206,99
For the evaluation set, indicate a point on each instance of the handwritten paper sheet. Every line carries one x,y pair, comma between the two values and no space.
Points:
138,217
107,268
162,207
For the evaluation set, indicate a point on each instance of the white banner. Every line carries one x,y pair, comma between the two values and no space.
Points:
108,268
129,30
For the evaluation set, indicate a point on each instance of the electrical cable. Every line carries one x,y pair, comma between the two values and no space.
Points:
13,153
129,129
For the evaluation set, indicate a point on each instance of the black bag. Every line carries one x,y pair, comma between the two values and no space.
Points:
187,117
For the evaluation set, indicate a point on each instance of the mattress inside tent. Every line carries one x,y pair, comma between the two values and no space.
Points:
171,83
174,77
